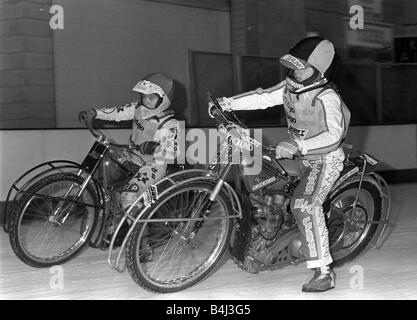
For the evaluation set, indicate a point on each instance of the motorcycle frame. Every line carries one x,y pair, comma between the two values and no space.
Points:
91,163
175,180
210,175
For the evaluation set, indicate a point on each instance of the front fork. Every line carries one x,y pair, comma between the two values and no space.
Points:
59,215
212,198
90,164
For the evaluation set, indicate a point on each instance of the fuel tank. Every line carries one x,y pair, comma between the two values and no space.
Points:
270,176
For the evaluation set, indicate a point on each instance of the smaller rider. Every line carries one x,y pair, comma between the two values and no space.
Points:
317,121
155,132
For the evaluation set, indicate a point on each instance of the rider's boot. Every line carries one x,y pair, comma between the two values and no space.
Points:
323,280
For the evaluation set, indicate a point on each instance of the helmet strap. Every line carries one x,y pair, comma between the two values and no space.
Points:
315,85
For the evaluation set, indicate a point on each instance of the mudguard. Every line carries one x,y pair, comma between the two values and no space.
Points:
350,174
35,174
241,235
21,184
384,222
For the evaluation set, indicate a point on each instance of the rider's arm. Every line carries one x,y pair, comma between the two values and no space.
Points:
168,136
258,99
335,125
121,113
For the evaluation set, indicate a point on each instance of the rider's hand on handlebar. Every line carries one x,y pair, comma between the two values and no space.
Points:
87,115
225,104
287,149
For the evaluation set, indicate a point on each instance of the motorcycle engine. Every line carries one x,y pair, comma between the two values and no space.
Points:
273,230
269,214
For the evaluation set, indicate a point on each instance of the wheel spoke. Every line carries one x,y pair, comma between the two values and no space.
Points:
181,255
347,233
45,239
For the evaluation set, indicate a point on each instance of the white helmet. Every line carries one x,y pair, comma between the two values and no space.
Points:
157,83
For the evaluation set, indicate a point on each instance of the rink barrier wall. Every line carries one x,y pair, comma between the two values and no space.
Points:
395,146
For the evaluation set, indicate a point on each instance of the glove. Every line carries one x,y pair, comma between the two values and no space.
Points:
87,115
286,149
225,104
148,147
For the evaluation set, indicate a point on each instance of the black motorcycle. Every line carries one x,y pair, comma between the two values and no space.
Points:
178,230
60,207
196,215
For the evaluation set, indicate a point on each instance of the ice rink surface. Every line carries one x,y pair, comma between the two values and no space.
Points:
387,273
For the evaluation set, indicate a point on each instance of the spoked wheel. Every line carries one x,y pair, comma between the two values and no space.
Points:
350,231
170,256
51,223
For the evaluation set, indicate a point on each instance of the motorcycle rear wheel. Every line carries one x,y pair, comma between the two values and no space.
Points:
50,225
164,256
350,232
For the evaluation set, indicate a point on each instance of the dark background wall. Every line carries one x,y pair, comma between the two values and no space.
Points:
27,87
47,76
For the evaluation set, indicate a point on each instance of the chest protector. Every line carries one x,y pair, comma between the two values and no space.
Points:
306,117
144,129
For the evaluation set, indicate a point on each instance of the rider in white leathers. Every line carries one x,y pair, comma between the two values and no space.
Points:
154,129
317,121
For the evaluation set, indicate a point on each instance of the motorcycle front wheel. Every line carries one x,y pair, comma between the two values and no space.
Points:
170,256
51,223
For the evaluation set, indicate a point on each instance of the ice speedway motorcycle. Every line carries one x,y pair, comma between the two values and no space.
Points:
177,231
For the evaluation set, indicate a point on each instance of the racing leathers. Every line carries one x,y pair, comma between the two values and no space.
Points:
317,123
162,128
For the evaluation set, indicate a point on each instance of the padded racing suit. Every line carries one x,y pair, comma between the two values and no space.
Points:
317,121
162,128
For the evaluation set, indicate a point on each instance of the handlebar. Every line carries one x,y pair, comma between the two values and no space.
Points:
228,119
98,134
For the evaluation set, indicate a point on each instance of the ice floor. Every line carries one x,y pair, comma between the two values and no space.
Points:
387,273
